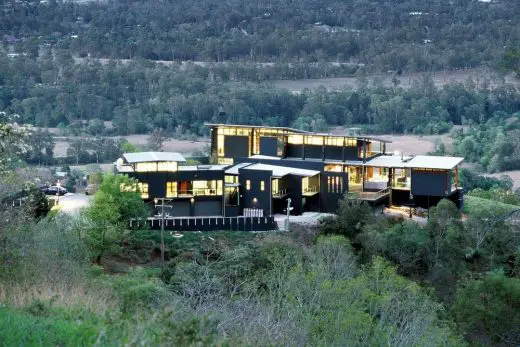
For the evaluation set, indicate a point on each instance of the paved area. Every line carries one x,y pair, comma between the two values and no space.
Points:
73,202
307,218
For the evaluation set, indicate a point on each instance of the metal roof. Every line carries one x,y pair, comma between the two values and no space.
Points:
433,162
261,156
141,157
388,161
256,127
234,169
202,167
280,171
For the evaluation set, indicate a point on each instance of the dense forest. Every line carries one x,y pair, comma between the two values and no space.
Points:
138,97
406,35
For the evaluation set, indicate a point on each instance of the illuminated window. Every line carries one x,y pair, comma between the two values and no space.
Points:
334,141
274,185
262,185
314,140
220,187
333,168
248,184
146,167
171,189
220,145
143,189
127,187
169,166
225,161
206,188
231,179
295,139
351,142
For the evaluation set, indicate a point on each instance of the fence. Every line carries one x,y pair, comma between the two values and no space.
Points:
240,223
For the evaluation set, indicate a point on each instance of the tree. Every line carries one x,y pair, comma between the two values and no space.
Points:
13,141
490,307
37,205
352,216
155,140
115,203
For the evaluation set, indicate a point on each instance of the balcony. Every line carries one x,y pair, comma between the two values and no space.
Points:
198,192
310,191
280,194
369,196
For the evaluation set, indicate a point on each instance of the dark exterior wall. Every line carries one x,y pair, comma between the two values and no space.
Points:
334,152
329,201
402,198
430,183
351,153
269,146
294,151
236,146
157,180
207,208
247,196
294,189
313,151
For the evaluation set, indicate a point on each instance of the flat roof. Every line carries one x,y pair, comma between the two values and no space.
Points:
261,156
280,171
298,131
257,127
234,169
434,162
388,161
202,167
141,157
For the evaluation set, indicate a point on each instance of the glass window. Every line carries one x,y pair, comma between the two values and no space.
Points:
171,189
127,187
274,185
334,141
314,140
333,167
248,184
146,167
170,166
295,139
231,196
143,189
351,142
225,161
231,179
262,185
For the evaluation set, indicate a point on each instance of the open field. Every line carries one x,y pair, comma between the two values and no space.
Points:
440,78
515,176
407,144
184,147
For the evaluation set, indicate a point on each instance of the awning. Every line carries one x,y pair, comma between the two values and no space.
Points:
141,157
280,171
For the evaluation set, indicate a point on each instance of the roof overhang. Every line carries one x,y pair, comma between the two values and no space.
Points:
281,171
142,157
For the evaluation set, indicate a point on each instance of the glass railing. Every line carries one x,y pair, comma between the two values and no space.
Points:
281,193
311,190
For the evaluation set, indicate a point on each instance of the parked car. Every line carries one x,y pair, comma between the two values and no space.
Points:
54,190
91,189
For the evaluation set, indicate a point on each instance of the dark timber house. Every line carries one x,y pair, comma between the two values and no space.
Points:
258,168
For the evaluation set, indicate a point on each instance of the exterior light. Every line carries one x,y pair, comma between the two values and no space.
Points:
192,200
156,201
255,200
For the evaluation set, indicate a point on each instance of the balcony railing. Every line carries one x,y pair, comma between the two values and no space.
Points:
311,190
369,196
401,185
197,192
280,194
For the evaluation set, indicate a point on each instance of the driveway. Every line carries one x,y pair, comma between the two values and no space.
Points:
73,202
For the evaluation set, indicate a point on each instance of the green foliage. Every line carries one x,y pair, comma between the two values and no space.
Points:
114,204
127,147
490,306
497,194
352,215
37,205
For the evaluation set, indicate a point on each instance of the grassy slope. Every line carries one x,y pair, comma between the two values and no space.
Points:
478,206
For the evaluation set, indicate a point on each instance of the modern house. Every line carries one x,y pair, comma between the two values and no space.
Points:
257,169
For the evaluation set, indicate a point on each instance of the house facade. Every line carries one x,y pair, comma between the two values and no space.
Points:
257,169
